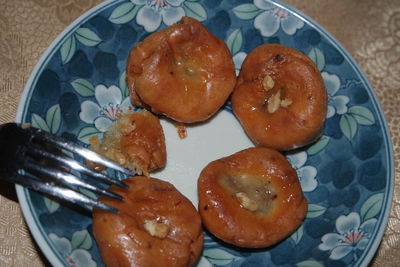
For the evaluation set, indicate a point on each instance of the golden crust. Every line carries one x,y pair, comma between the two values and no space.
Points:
294,123
136,141
184,72
268,180
124,238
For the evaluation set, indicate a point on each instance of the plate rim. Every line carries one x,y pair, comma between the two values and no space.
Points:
23,197
370,253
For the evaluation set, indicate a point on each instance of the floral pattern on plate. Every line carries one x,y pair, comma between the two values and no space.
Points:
75,252
350,236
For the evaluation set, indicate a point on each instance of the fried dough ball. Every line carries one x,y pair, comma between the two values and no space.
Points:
156,225
136,141
280,98
184,72
252,198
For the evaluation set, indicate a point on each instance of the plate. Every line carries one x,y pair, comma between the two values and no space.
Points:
347,176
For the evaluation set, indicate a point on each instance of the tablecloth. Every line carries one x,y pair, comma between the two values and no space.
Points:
369,30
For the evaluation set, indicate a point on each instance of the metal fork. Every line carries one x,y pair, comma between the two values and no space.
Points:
37,160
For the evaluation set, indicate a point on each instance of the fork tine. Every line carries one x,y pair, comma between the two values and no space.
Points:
75,165
61,193
83,152
66,179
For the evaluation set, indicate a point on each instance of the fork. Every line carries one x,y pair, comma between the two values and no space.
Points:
29,156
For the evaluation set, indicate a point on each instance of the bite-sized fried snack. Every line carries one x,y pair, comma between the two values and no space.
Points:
156,226
252,198
136,141
184,72
280,98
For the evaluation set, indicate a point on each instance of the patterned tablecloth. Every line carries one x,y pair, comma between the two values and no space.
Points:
368,29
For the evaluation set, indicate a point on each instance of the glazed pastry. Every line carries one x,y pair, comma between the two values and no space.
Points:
184,72
252,198
156,226
136,141
280,98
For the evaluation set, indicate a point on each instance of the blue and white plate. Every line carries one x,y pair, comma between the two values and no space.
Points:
347,176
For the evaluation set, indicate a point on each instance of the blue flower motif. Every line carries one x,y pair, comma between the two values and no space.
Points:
238,61
153,12
307,174
350,236
337,104
272,18
74,257
104,112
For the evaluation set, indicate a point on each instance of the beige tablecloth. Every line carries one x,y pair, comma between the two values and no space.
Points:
368,29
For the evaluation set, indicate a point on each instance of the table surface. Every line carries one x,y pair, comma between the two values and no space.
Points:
369,30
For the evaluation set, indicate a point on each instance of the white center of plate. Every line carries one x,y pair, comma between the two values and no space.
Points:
218,137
